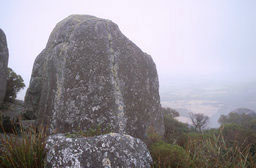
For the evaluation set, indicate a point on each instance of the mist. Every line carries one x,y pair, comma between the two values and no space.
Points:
195,44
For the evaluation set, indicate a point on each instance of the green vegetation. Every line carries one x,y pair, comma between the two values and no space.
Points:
14,84
8,125
169,155
244,120
25,149
170,112
174,129
233,145
213,150
98,130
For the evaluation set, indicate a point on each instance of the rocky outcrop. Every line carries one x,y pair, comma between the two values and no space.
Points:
90,74
15,109
105,151
4,55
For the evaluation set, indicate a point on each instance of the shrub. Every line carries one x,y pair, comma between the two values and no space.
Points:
170,112
239,119
193,137
14,84
173,129
169,156
153,136
252,125
7,125
236,135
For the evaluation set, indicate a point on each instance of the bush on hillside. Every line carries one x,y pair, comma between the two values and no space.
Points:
168,155
170,112
14,84
235,118
174,129
236,135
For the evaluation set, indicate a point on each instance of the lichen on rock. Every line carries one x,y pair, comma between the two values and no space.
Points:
4,56
104,151
90,74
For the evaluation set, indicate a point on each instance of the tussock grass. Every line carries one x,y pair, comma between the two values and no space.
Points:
23,148
210,150
213,151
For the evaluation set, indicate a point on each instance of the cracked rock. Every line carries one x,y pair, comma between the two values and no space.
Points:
90,74
105,151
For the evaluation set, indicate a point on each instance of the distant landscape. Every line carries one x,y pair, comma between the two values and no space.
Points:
208,96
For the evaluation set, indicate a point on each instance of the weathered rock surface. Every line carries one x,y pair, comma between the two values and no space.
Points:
90,74
15,109
106,151
4,56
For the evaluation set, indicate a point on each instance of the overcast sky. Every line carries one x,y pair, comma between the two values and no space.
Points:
186,38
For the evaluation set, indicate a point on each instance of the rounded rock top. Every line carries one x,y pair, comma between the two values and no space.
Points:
90,75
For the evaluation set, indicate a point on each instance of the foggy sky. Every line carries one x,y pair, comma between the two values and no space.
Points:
186,38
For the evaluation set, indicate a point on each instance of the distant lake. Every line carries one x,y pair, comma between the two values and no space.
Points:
211,98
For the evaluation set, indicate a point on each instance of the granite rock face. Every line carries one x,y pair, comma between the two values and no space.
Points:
105,151
4,56
90,74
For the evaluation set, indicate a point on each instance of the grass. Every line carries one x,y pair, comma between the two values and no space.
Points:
98,130
169,155
209,150
26,148
23,149
214,151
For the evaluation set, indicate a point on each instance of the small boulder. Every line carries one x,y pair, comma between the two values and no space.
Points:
4,56
104,151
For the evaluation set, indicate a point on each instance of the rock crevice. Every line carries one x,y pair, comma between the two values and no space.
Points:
90,74
116,86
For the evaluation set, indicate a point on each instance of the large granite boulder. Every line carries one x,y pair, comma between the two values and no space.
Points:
105,151
3,65
90,74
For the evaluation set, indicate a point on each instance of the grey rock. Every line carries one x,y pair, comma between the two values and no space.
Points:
4,56
105,151
90,74
15,110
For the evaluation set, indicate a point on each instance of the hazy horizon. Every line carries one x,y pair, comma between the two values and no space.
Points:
200,40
